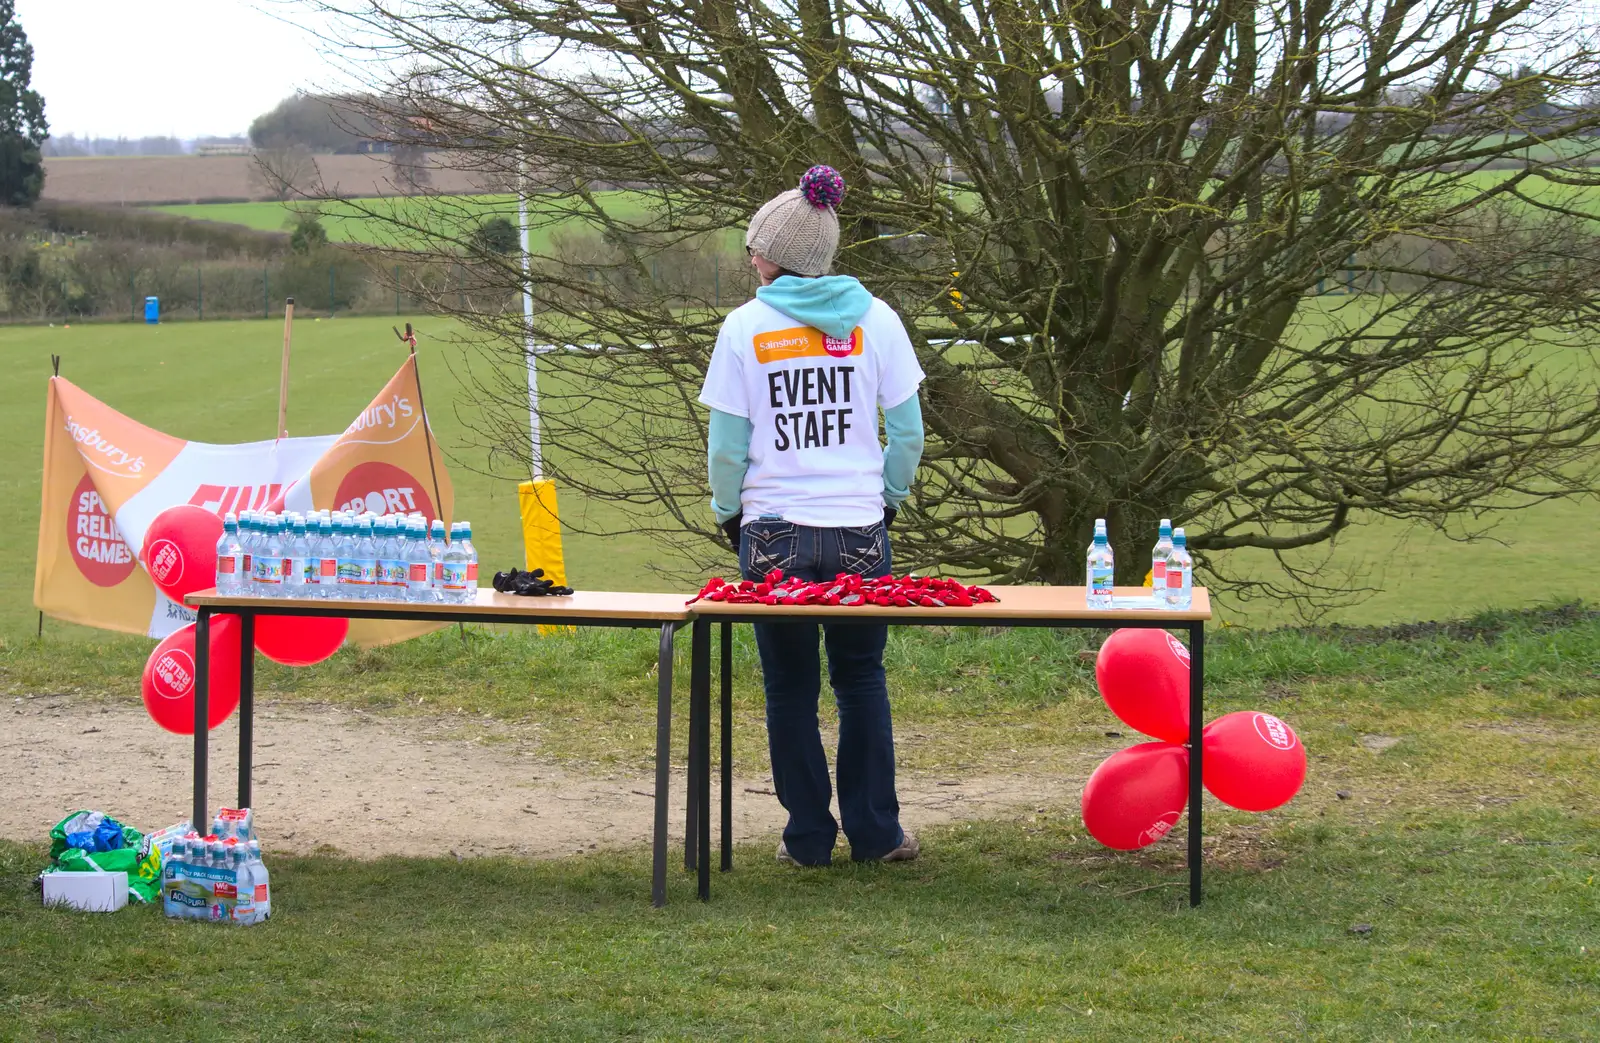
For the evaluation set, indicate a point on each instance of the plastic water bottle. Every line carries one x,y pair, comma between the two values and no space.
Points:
1101,568
436,545
471,552
419,564
296,560
453,569
394,571
325,547
365,558
344,556
1158,561
247,546
402,558
269,560
381,557
1180,573
228,556
258,881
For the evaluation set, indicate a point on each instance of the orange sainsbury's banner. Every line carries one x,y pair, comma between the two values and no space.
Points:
107,476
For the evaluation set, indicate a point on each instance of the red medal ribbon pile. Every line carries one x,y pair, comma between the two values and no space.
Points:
846,589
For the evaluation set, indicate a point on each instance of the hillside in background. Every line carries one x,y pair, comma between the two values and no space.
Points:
155,180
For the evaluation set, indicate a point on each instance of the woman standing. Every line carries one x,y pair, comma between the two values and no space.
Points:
800,482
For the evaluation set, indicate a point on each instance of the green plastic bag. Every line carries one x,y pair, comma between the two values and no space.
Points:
144,874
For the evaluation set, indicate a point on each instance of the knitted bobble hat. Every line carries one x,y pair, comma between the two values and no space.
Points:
798,230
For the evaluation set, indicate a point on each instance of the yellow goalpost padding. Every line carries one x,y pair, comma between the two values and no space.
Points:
541,529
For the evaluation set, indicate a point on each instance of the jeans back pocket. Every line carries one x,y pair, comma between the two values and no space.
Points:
767,545
864,550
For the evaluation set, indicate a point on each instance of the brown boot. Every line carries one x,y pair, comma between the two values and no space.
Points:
908,850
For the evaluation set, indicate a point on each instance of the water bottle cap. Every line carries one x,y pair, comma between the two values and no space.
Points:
1178,537
365,528
1166,526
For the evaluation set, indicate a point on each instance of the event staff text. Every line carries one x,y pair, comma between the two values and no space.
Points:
810,386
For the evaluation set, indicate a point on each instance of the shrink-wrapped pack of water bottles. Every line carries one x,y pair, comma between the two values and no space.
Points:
218,877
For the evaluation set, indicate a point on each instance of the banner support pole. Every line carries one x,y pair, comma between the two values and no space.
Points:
410,339
55,371
283,372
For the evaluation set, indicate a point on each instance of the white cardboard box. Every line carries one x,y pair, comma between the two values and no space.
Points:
91,892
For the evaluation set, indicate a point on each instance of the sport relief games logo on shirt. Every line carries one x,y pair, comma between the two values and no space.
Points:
811,403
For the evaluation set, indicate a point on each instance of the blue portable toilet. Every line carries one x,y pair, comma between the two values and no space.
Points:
152,310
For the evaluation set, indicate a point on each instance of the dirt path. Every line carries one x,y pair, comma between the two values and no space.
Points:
371,786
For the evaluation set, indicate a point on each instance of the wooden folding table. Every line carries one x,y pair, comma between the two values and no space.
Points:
665,612
1017,607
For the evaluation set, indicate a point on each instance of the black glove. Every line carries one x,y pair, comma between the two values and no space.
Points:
889,515
528,584
730,529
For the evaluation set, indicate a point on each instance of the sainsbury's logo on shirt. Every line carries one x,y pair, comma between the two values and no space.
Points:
805,342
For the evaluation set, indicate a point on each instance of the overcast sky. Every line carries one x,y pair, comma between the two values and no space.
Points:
117,68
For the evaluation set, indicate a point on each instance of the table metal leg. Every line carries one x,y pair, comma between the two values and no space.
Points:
691,789
1197,721
247,703
700,728
658,858
726,645
202,713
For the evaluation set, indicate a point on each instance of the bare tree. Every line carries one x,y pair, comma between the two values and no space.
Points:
285,172
1108,226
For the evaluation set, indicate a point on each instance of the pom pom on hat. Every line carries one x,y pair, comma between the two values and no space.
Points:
823,187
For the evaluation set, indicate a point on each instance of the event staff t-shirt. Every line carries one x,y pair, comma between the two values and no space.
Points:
812,401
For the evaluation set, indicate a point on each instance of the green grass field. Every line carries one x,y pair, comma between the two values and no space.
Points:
1434,879
354,222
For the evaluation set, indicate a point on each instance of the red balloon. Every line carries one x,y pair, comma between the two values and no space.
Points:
1144,678
180,550
300,640
170,672
1253,761
1136,795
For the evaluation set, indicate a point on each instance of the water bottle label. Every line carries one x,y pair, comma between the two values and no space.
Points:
294,570
245,568
269,571
329,568
453,577
1175,579
472,572
1158,573
357,571
1100,581
227,565
418,575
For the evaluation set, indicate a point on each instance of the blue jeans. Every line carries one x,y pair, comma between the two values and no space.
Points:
792,674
